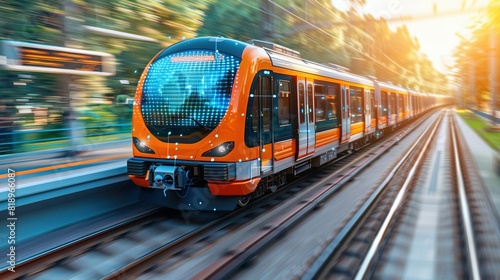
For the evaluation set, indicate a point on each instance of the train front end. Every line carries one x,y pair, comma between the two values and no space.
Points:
187,132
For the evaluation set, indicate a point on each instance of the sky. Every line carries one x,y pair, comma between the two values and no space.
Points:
437,35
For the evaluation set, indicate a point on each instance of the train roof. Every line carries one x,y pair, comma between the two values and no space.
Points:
230,46
302,65
391,87
283,57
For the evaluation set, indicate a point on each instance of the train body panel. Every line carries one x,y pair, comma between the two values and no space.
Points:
330,137
217,118
357,130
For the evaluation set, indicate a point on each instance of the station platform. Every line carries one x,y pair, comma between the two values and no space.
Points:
57,188
484,157
43,164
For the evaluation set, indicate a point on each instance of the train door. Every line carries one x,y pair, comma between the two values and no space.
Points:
306,132
374,110
411,101
401,108
389,109
377,98
265,105
393,109
406,101
368,110
345,114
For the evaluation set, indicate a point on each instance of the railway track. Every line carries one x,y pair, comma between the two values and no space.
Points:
69,260
52,258
344,255
422,226
221,248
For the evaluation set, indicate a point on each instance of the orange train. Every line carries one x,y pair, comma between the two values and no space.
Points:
217,122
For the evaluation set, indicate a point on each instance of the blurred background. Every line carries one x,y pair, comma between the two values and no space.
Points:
46,103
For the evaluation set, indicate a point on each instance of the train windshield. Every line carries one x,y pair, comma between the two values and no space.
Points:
186,94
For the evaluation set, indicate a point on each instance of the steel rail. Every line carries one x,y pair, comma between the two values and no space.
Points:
361,273
39,262
465,212
229,264
319,265
224,268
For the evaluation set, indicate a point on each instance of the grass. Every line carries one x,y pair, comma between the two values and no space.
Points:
481,127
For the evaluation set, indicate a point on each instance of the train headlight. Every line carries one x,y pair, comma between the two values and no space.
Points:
141,146
221,150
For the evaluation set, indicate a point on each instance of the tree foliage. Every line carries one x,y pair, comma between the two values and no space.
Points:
361,43
474,57
233,19
63,22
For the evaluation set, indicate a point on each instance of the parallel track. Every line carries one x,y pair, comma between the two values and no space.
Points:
359,252
376,210
297,201
47,259
271,225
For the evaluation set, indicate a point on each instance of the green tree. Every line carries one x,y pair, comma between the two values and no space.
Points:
300,25
473,57
313,28
362,43
232,19
62,22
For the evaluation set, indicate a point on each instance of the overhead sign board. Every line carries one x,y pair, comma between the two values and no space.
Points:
28,57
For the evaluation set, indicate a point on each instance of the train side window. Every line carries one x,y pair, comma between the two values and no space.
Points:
356,105
255,110
302,109
384,105
310,102
320,102
266,96
400,104
393,105
373,104
333,91
284,103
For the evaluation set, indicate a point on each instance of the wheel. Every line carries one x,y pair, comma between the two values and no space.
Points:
243,201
